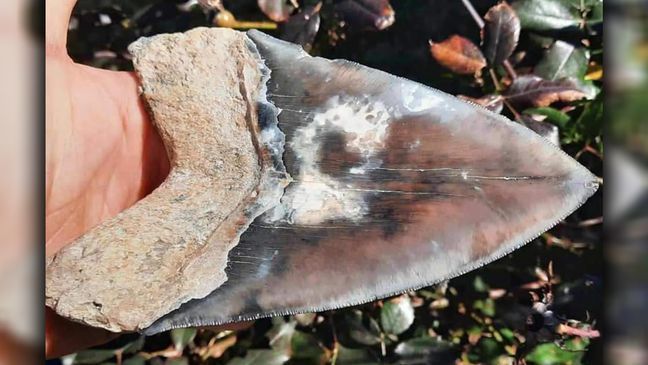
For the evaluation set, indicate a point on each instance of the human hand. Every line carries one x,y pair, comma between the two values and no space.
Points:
102,155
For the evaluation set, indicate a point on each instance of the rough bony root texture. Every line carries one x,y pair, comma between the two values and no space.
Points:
203,88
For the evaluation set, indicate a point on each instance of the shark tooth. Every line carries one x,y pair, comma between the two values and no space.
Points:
396,186
302,184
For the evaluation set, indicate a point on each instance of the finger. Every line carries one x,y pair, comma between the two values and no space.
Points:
14,351
155,161
63,337
57,17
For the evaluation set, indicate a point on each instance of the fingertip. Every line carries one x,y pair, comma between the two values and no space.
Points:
63,337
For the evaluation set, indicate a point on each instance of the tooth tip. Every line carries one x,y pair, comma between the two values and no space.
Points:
584,183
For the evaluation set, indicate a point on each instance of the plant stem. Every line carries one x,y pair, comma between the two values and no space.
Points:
516,114
336,344
493,76
509,69
475,15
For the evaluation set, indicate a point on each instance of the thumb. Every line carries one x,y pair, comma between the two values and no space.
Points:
57,18
63,337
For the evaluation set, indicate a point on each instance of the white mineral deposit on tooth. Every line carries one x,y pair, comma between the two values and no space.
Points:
205,89
316,197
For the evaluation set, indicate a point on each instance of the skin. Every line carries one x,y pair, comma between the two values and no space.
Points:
102,155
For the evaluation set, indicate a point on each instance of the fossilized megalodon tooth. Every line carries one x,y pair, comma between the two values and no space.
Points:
388,186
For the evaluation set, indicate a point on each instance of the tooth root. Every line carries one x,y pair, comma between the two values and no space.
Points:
201,87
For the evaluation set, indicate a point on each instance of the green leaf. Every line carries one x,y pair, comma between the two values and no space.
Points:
551,354
589,124
261,357
280,335
588,87
93,356
507,333
592,8
488,349
553,115
546,14
576,344
596,13
397,315
592,117
480,285
540,41
368,334
503,360
421,346
135,360
347,356
134,346
181,337
306,347
177,361
426,350
563,60
486,306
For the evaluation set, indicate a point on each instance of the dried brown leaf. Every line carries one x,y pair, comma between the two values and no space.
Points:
580,332
277,10
216,349
541,274
492,102
366,14
535,91
546,130
501,33
459,55
302,27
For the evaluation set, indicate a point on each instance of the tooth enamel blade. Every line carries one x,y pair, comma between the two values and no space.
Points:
395,186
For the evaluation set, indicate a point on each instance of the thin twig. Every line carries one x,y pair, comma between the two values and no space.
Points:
585,223
336,344
516,114
588,148
496,82
509,69
593,151
475,15
590,222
